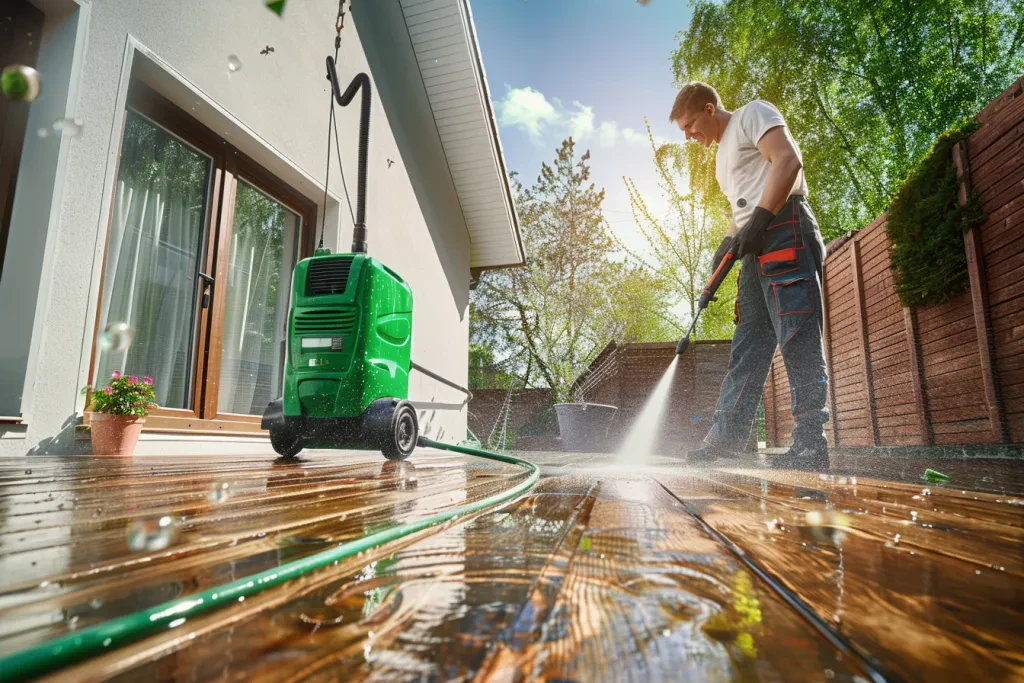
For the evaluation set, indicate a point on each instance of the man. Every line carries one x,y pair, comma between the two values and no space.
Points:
780,251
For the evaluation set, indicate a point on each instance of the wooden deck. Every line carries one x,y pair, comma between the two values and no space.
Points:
605,571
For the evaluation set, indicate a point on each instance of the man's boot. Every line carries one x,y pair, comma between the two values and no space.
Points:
803,456
708,453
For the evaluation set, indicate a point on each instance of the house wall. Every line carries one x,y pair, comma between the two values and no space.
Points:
274,110
951,374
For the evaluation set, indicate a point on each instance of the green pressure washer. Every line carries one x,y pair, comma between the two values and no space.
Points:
348,355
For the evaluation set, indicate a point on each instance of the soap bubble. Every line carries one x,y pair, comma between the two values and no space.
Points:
20,83
234,63
155,533
116,337
68,127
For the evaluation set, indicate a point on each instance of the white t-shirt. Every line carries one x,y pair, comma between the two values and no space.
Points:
740,168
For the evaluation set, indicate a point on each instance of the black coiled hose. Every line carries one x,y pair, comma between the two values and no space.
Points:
361,81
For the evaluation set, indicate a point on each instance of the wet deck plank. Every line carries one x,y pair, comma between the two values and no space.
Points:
943,600
599,572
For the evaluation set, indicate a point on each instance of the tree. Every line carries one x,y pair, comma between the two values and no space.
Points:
866,87
484,371
683,244
550,318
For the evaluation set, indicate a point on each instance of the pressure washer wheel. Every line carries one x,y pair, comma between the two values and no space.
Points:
286,441
399,443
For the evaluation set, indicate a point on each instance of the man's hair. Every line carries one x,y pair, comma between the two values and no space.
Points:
693,97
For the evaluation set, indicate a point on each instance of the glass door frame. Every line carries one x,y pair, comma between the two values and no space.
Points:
229,166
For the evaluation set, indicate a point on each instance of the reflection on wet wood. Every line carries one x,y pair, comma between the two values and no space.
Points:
598,573
75,566
931,585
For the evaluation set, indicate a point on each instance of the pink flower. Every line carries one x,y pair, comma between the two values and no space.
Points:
116,375
107,390
148,380
133,380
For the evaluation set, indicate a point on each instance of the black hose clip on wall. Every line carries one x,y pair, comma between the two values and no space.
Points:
361,81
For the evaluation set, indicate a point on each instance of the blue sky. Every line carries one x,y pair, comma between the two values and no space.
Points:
592,67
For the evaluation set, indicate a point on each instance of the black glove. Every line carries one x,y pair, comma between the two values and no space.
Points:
750,238
723,249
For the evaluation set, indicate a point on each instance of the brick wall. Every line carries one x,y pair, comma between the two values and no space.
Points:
625,376
948,374
486,405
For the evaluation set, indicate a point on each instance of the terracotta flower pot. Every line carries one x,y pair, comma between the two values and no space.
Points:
115,434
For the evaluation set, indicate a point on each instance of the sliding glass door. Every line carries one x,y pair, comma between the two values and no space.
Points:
264,247
148,311
201,246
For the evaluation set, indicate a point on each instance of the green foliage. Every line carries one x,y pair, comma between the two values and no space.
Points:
550,318
683,244
123,396
866,87
484,371
926,225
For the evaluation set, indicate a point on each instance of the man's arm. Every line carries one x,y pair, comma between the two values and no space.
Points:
777,147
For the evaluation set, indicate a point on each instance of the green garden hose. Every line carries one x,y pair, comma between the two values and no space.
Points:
52,655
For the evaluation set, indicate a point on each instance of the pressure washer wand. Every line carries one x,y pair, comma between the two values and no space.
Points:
708,295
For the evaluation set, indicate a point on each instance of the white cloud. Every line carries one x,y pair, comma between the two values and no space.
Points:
637,137
544,119
528,109
581,122
608,133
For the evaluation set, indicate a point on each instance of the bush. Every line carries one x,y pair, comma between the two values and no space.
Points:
123,396
926,224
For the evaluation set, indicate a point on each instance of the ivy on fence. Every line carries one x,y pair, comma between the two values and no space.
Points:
926,223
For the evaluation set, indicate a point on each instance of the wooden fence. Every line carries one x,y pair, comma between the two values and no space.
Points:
951,374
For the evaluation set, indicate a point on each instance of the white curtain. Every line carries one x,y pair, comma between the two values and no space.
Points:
149,283
263,247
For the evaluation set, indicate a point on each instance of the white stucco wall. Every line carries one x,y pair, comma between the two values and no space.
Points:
282,99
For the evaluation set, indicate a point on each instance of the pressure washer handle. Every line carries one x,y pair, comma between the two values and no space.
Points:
717,278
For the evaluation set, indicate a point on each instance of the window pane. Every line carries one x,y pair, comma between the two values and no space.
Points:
152,260
264,245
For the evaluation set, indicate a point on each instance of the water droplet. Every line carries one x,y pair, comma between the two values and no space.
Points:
116,337
44,584
218,493
95,603
926,492
154,533
73,623
241,598
28,471
829,673
896,539
234,63
977,571
772,524
20,83
666,633
107,642
915,497
69,127
913,515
